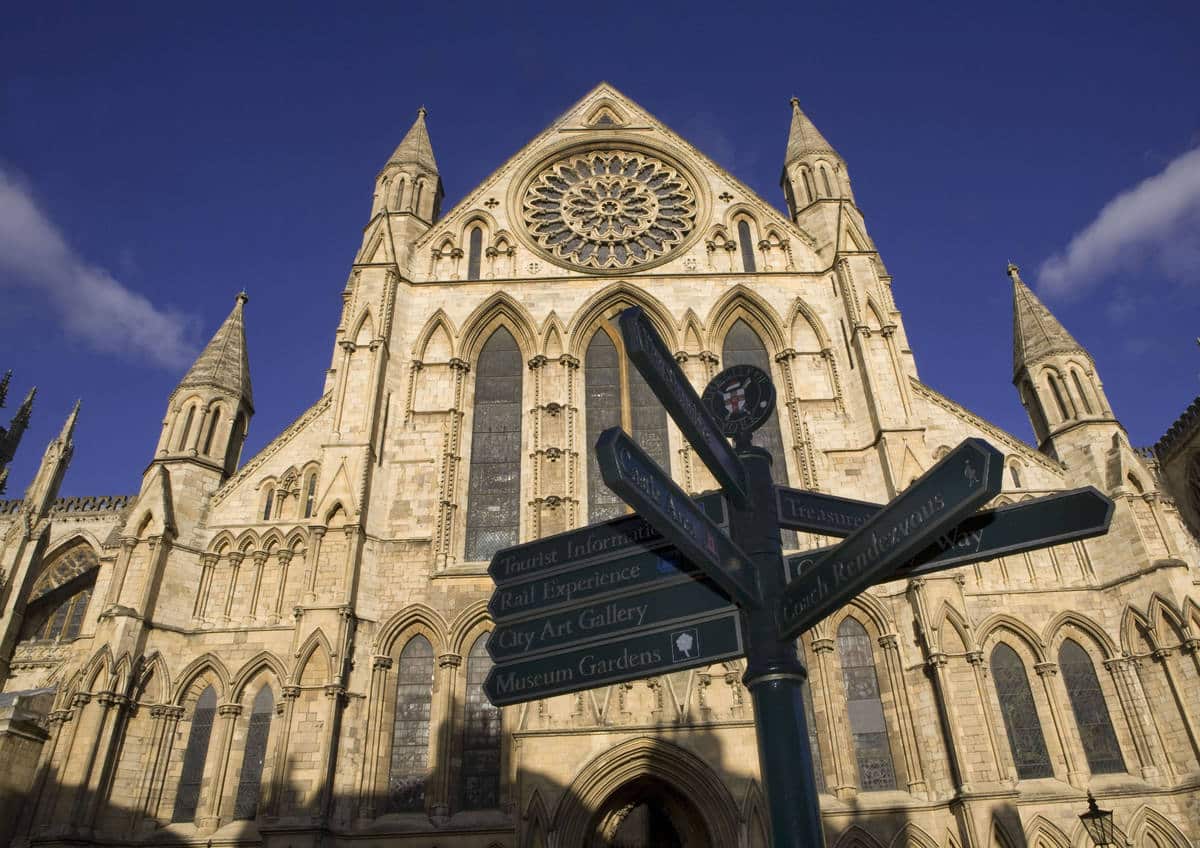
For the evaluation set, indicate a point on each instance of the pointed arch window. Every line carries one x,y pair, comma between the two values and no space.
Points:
1091,712
58,615
746,245
825,181
1015,471
474,251
187,428
872,750
259,731
481,736
744,347
1056,388
617,396
1034,405
212,431
310,494
494,488
808,186
187,796
410,730
1083,396
1021,721
269,504
237,433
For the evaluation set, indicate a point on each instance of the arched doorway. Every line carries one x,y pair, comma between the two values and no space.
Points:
648,812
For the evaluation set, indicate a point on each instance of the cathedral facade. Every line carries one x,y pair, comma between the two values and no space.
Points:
288,649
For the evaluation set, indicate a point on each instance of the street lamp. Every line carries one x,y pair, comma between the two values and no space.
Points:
1099,823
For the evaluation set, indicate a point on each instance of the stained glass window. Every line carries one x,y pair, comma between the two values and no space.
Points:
187,797
250,780
1091,712
607,399
481,736
474,249
56,620
494,490
867,725
746,245
744,347
1021,721
410,730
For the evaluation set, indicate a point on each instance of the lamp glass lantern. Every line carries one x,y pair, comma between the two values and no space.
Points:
1099,823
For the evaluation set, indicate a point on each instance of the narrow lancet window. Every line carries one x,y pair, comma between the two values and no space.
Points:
310,495
1091,712
1020,714
481,736
410,731
746,245
1059,396
269,504
187,796
474,250
1083,396
255,756
494,489
187,428
872,750
212,431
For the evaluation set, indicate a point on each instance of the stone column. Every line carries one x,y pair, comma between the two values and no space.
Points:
235,565
310,563
937,666
104,759
1004,770
368,784
260,560
113,596
285,559
908,739
437,796
1047,671
337,697
208,563
843,784
208,817
279,770
1136,717
166,720
1163,657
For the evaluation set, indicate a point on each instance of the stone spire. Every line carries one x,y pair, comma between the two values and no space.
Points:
1036,332
415,148
223,364
804,139
11,438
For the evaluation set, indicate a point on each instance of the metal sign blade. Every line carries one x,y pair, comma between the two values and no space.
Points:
633,475
814,512
605,540
968,477
667,649
671,386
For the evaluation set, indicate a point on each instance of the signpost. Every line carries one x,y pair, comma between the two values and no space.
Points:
690,582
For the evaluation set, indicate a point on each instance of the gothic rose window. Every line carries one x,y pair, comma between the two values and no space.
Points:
1020,714
609,209
1091,712
410,730
494,488
872,750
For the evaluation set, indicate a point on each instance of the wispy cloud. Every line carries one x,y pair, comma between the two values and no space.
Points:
93,306
1153,226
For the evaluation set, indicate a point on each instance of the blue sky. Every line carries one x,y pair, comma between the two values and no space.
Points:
155,159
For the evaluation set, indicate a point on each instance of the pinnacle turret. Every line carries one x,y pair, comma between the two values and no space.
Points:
1036,332
804,139
224,364
415,148
10,438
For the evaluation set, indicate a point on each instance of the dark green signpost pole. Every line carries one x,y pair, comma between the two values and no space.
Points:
774,674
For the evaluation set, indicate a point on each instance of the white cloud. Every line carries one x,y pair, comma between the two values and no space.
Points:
1154,225
93,306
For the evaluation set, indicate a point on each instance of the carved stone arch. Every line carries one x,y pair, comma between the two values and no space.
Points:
605,113
501,309
69,560
801,312
1059,629
480,218
866,606
877,319
1136,628
949,616
122,675
207,667
466,627
153,684
221,542
995,626
1000,837
400,182
740,301
912,835
338,494
856,837
1166,619
271,540
1043,833
436,339
315,649
363,332
1191,615
553,333
247,542
606,303
755,816
719,235
1148,826
98,671
503,238
413,619
263,661
537,821
296,539
693,332
641,757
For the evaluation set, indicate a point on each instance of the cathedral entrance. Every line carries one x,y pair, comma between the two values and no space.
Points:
648,812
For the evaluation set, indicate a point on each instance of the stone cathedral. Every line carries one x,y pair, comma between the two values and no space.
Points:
287,649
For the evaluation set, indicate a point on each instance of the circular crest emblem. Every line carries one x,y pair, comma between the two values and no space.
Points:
741,398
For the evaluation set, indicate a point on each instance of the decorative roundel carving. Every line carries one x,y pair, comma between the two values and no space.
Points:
609,209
